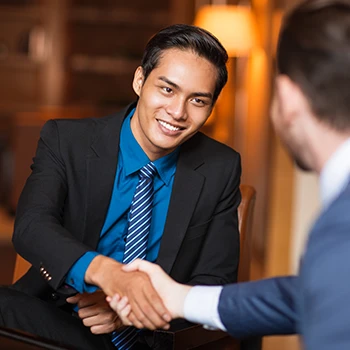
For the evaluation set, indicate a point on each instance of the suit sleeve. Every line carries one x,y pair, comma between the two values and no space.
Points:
325,275
259,308
39,235
219,257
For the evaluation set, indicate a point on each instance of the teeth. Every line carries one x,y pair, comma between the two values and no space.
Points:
168,126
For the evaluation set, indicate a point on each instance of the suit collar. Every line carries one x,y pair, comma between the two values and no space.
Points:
101,164
335,174
106,141
187,187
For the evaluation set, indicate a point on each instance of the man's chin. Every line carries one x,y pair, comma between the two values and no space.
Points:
301,165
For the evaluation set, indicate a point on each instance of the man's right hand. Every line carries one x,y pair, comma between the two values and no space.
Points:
172,293
146,304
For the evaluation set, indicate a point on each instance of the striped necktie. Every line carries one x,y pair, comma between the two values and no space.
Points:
140,216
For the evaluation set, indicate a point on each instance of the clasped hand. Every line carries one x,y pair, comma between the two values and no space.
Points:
95,312
172,294
148,310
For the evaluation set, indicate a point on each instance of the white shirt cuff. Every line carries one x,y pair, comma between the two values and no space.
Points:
201,306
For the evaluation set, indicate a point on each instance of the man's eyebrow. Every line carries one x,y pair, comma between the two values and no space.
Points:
177,87
171,83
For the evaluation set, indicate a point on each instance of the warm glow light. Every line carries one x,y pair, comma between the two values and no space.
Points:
276,27
232,25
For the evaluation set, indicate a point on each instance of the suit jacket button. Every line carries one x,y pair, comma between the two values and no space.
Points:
54,296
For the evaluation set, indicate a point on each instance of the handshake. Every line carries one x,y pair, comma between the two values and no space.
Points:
171,293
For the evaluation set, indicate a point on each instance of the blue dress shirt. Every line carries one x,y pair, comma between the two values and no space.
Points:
112,237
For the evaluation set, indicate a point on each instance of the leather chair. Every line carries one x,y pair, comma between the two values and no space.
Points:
197,337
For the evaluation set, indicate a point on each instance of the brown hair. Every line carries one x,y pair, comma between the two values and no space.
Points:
314,51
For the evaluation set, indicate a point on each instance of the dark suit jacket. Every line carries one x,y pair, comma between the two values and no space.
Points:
315,304
63,205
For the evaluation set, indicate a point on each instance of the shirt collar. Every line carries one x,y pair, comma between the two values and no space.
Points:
335,174
134,158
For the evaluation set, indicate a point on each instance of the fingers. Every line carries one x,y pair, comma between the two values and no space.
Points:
122,308
145,315
115,299
135,322
140,265
74,299
101,322
94,310
101,319
97,327
148,307
158,305
102,329
132,320
88,299
134,266
145,303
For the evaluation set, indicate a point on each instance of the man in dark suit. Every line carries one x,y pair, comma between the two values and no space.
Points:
72,216
311,114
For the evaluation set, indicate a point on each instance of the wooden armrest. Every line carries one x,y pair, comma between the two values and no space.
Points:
195,336
15,339
185,336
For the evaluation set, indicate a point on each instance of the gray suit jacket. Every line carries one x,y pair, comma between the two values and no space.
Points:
315,304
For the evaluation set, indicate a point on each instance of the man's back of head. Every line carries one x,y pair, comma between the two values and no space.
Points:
314,52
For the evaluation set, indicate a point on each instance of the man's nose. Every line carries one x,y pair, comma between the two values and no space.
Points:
177,109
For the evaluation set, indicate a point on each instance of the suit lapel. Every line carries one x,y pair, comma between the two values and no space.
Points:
186,190
101,164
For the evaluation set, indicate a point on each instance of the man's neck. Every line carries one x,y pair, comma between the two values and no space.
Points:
323,144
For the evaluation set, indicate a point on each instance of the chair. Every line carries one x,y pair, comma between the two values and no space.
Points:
21,267
245,222
197,337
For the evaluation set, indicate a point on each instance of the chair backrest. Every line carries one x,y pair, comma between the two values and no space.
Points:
21,267
245,220
245,223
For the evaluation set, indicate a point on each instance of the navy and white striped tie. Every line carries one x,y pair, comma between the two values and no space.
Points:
140,216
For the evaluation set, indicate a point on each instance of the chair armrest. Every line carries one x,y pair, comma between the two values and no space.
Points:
189,336
15,339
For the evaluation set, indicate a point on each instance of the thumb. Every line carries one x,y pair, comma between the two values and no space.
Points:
147,267
134,266
74,299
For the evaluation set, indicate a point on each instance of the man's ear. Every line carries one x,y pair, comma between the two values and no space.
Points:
292,100
138,80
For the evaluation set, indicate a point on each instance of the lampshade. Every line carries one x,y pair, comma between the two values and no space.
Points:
232,25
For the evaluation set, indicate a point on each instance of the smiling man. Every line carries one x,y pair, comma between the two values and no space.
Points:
311,114
143,183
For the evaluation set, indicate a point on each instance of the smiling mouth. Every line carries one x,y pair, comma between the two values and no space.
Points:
169,126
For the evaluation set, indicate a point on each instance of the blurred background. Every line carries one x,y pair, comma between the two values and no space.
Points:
76,59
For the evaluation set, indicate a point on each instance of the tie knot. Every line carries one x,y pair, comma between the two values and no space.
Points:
148,171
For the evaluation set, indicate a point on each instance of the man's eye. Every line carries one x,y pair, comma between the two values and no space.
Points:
167,89
199,101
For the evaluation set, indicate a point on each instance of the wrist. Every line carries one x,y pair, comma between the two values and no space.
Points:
181,291
99,268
